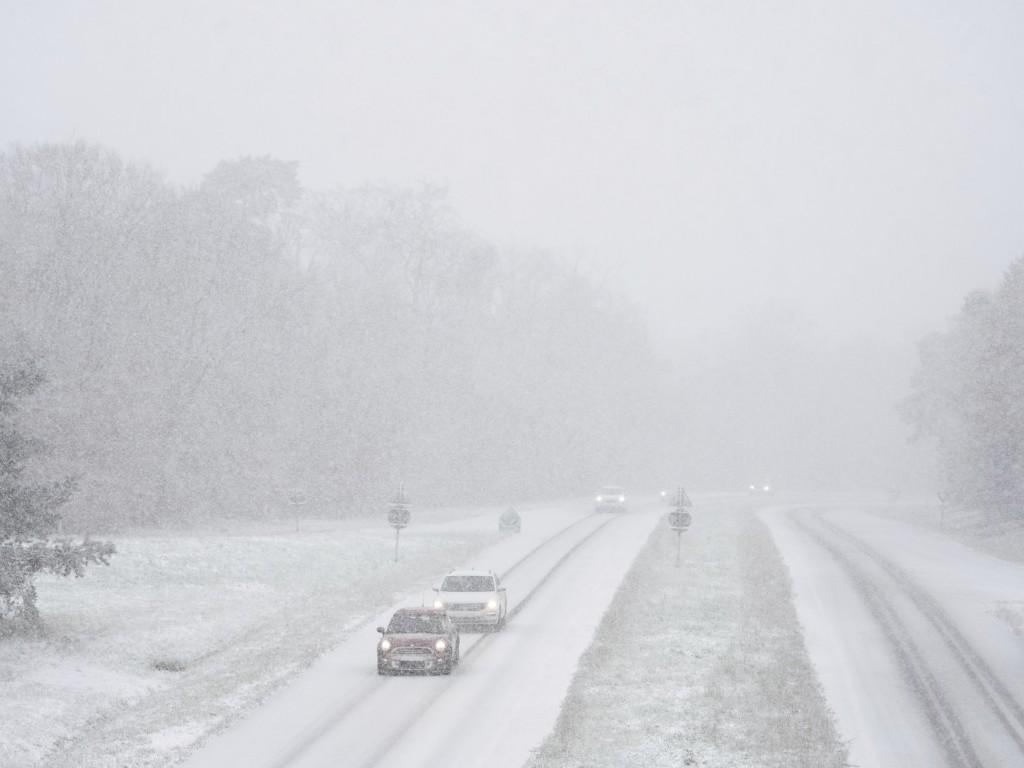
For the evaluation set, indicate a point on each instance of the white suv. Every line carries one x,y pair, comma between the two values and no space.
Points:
611,498
473,598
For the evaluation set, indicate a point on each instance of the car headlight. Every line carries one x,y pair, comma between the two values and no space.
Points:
767,488
622,499
440,645
385,645
492,605
439,603
598,499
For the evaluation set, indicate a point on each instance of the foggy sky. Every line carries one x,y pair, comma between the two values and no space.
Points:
860,161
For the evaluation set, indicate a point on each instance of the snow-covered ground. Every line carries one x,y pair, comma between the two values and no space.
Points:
915,637
183,634
698,665
258,647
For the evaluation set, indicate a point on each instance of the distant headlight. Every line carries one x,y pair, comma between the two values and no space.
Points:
440,645
767,487
598,499
385,645
439,603
492,605
622,499
753,488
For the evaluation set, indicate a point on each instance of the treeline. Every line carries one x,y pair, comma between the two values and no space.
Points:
968,395
232,348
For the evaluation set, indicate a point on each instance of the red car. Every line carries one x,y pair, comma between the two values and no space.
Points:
418,640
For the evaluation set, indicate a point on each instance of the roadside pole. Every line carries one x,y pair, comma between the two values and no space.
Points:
297,498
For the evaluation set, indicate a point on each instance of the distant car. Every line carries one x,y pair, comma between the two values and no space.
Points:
611,498
510,521
761,489
473,598
418,640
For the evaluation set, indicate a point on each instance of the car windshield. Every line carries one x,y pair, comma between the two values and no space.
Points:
468,584
415,623
611,490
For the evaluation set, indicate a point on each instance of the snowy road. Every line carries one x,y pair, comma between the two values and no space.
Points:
561,574
909,633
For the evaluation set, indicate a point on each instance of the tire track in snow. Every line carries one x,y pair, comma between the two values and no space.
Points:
1002,703
946,725
376,758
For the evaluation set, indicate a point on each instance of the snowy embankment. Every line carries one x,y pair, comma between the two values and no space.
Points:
185,633
698,665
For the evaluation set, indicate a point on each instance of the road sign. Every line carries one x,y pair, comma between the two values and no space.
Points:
679,520
398,515
681,500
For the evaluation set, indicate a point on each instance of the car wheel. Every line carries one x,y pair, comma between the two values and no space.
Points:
446,668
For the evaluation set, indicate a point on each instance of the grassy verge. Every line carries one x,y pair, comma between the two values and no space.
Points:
698,665
184,633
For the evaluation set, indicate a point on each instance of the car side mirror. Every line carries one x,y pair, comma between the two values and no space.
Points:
381,630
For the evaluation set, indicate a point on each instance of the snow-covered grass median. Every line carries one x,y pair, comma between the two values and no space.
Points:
184,633
698,665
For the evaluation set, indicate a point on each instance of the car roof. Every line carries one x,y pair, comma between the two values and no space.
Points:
468,572
421,611
611,487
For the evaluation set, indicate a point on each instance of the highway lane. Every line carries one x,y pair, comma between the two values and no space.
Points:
502,699
903,626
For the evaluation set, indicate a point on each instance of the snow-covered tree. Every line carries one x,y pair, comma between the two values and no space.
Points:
969,397
30,512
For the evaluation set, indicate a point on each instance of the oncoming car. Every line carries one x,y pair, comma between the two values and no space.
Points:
611,498
418,640
473,598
